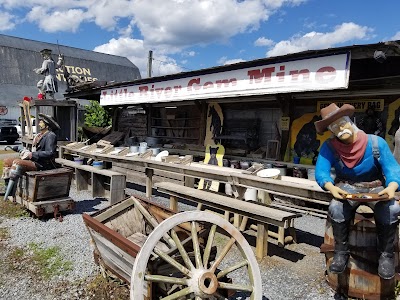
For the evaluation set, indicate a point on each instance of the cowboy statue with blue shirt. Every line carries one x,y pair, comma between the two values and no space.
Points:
363,164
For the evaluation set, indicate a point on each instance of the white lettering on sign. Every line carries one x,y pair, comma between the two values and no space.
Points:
320,73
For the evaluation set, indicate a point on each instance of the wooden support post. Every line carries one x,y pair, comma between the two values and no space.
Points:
173,203
189,181
238,192
262,241
292,231
98,185
81,180
281,236
117,188
149,182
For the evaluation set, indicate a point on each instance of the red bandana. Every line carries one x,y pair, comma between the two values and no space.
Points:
351,154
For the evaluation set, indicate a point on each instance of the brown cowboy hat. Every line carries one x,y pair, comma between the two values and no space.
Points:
331,113
45,51
49,121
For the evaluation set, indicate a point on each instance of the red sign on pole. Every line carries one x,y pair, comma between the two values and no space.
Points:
3,110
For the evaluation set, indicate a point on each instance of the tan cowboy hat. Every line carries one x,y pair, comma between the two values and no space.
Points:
331,113
49,121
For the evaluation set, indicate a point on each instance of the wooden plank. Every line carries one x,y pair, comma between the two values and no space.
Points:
81,180
117,188
70,163
98,185
254,211
124,168
115,209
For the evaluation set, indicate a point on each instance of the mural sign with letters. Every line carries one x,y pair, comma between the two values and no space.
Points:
312,74
359,105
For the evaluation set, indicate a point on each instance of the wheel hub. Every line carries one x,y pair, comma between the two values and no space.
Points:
203,283
208,283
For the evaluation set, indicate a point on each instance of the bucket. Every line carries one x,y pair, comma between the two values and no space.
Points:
250,194
155,151
311,174
228,189
98,164
134,149
360,279
282,168
296,160
78,160
299,172
142,149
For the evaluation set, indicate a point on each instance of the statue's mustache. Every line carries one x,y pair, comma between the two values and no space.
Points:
344,131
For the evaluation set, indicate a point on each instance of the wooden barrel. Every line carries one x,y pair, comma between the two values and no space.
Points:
360,279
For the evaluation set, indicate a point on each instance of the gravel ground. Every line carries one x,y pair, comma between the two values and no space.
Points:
295,272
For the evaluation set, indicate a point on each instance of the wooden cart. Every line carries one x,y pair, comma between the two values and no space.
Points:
46,192
167,255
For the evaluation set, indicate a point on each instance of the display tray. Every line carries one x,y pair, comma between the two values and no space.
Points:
366,197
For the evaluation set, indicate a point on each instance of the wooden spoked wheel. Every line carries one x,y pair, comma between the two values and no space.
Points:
195,272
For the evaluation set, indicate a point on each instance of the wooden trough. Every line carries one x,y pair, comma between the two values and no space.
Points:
164,255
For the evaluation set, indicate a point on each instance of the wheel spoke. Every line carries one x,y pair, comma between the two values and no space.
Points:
196,246
166,279
224,251
233,268
210,241
177,295
182,250
172,262
235,287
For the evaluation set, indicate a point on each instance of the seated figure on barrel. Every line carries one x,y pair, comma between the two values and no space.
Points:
363,164
42,157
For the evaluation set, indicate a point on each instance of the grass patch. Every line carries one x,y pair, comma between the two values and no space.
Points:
106,289
41,263
12,210
48,261
6,152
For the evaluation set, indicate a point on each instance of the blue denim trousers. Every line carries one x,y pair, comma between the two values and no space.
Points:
386,212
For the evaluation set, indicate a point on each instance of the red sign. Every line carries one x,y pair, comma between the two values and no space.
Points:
3,110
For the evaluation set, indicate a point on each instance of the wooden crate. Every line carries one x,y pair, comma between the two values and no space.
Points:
45,185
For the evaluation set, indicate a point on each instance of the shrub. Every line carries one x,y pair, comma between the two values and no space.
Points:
96,115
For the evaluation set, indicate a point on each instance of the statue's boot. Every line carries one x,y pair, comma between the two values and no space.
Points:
386,236
342,253
15,175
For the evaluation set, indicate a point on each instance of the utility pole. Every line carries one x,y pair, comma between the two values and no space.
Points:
149,64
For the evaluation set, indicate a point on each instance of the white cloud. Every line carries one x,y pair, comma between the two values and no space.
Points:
316,40
56,21
225,61
137,53
175,23
396,36
263,42
7,21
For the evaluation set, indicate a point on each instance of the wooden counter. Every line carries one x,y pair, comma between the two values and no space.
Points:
304,189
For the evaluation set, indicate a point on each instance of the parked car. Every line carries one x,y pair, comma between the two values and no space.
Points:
8,130
19,129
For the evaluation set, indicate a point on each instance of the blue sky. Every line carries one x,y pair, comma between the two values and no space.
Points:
187,35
